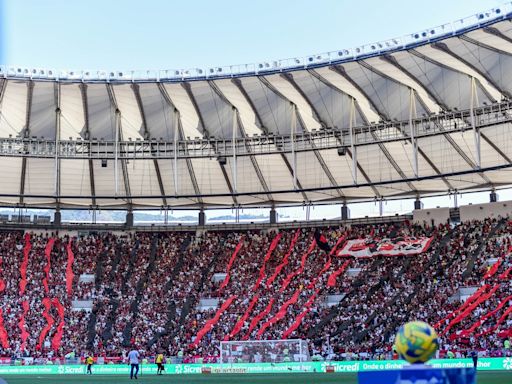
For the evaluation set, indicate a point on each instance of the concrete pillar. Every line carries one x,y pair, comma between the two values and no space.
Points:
202,218
493,197
418,204
345,212
273,216
57,218
129,219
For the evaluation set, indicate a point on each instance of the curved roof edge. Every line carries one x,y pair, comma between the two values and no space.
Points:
405,42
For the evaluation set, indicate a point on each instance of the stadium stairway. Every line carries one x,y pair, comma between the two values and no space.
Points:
91,325
474,256
336,310
191,300
390,330
114,301
171,312
370,324
134,306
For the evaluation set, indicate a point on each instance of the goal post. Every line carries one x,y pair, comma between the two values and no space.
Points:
264,351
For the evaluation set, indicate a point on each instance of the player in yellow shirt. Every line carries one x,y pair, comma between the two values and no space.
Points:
89,360
159,363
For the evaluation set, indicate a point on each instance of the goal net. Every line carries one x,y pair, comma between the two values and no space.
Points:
264,351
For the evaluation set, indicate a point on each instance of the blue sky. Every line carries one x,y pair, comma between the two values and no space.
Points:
151,34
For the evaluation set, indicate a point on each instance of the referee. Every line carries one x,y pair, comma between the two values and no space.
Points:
89,361
160,363
133,358
474,357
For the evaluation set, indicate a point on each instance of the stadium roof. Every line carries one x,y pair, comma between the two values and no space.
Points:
422,115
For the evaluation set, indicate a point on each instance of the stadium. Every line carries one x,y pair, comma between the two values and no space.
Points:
425,115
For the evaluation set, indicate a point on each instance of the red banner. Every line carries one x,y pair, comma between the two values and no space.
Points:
258,318
492,271
498,323
57,338
504,275
231,261
273,246
23,267
49,322
469,309
2,282
478,323
278,269
328,263
21,325
4,338
210,323
371,247
69,268
291,275
46,269
280,314
239,324
300,317
468,301
331,281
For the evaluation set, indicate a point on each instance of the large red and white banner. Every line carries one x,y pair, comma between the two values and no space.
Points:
399,246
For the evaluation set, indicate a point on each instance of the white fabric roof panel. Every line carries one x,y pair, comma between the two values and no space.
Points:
276,173
389,70
447,74
247,181
13,115
184,186
339,166
72,119
489,62
217,115
500,135
42,112
332,106
210,180
500,177
75,181
102,122
443,58
347,87
309,171
394,189
238,101
40,180
287,90
160,118
246,177
390,98
131,120
375,164
143,179
104,184
189,119
11,175
446,84
275,112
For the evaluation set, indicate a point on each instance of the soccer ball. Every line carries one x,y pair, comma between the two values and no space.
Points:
416,342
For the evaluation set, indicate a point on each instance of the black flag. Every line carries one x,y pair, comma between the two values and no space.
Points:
322,242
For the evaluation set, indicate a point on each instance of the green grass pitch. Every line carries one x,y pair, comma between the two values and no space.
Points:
500,377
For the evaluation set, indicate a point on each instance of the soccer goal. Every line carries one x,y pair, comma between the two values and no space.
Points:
264,351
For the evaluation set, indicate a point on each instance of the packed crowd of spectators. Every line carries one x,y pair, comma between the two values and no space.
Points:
146,289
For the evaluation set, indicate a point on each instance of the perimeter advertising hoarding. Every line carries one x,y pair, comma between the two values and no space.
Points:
484,364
